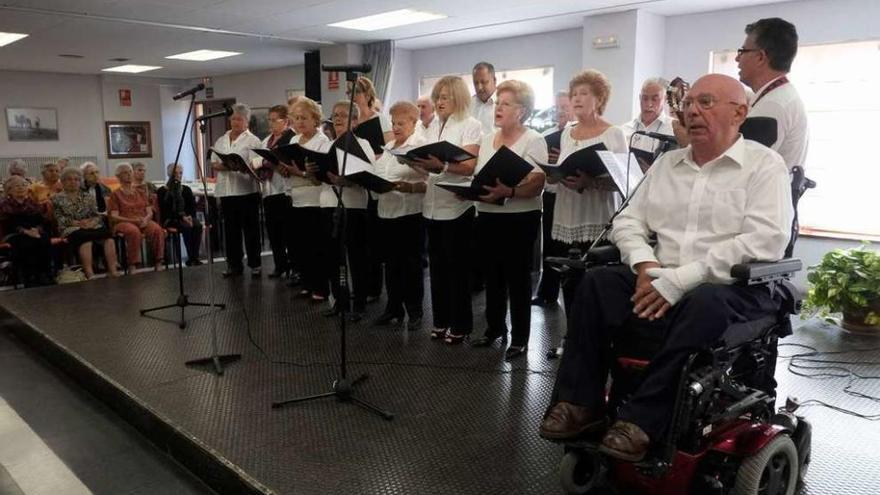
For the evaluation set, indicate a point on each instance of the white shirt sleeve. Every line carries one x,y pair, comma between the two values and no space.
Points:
536,150
630,232
472,134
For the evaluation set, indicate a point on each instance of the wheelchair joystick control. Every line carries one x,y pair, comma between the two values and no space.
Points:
792,404
785,417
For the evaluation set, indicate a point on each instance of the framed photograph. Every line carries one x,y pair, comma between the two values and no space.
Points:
259,123
32,124
128,140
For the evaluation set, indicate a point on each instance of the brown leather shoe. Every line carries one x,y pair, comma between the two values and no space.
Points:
625,441
566,420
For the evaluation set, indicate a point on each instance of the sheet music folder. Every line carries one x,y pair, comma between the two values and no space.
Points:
371,130
442,150
554,140
236,163
505,165
361,173
586,160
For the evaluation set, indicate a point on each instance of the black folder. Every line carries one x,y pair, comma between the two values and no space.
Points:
761,129
371,182
554,140
267,155
328,162
643,155
442,150
505,165
371,130
236,163
586,160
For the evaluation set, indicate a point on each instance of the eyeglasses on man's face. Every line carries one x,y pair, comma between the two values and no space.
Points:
704,101
741,51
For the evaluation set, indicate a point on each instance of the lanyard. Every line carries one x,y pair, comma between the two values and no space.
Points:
775,84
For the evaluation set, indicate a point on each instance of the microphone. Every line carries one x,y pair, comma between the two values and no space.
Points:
666,138
191,91
363,68
226,112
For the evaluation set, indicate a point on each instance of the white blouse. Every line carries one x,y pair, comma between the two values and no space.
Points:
354,196
580,217
396,204
303,192
441,204
530,146
278,184
231,183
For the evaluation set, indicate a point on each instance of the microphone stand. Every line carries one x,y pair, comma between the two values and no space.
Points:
216,359
342,388
173,192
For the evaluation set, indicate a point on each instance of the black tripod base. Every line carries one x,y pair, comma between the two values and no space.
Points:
343,390
219,362
182,302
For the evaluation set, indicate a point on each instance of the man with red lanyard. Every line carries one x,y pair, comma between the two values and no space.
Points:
764,61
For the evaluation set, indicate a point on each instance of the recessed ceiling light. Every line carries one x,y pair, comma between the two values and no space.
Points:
132,69
388,20
203,55
7,38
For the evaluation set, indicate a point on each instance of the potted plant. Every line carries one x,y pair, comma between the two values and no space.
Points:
847,281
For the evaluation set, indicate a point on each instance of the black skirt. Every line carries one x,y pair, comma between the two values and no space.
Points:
81,236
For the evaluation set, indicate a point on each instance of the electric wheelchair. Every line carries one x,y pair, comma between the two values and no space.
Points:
726,436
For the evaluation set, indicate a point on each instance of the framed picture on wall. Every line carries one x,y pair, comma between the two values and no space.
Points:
128,140
259,123
32,124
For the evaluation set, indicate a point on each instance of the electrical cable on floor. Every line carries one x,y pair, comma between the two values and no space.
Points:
812,365
313,364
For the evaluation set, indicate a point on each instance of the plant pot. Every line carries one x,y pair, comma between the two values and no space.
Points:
854,320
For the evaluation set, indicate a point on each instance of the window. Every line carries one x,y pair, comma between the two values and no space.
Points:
838,83
540,79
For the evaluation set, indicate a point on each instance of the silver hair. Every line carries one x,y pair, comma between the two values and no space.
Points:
11,180
86,165
242,110
63,158
46,166
170,168
656,81
122,166
355,111
17,165
68,171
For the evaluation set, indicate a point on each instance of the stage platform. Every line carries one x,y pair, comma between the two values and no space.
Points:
465,421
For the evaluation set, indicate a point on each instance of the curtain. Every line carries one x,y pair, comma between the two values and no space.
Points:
380,55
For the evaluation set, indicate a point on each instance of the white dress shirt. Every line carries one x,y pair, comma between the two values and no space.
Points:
278,184
441,204
303,192
734,209
660,125
484,112
354,196
581,216
231,183
396,204
792,133
531,146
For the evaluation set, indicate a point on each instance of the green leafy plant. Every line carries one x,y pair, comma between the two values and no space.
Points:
846,281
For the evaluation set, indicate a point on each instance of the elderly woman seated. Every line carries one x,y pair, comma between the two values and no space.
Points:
25,226
43,190
131,214
180,213
92,185
19,167
80,223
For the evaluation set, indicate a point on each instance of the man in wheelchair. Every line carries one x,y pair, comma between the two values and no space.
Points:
720,202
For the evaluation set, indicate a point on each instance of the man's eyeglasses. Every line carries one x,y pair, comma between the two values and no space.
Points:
740,51
704,101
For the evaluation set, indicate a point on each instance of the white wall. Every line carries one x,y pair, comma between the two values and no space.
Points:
403,84
690,38
618,64
173,117
561,49
145,106
263,88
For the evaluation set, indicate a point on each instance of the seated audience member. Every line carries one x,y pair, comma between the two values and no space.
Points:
139,179
80,223
722,200
25,227
62,163
19,167
400,228
131,214
43,189
92,185
182,216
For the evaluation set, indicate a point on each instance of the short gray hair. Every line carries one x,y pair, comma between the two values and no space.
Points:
656,81
63,159
46,166
85,166
242,110
122,166
170,168
355,111
18,165
68,171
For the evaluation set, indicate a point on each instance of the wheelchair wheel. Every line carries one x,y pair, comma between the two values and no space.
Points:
772,471
580,472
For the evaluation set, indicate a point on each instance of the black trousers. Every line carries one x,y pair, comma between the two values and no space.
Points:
404,244
306,247
602,319
355,241
451,258
192,238
31,257
548,288
374,260
506,242
276,209
241,215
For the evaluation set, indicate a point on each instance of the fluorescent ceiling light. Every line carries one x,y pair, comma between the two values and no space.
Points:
131,69
7,38
203,55
388,20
